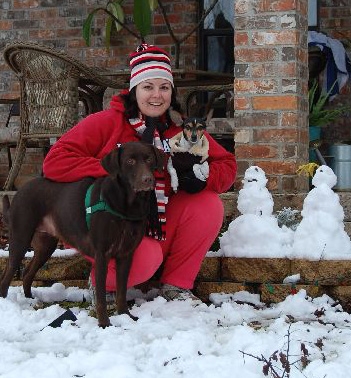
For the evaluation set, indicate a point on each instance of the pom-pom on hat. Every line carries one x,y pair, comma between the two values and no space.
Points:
149,62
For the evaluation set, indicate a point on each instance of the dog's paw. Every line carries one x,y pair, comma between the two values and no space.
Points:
196,150
174,184
105,325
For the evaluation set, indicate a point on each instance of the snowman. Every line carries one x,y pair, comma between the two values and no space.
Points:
255,233
321,233
254,197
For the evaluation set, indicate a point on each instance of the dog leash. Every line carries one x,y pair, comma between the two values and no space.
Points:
101,205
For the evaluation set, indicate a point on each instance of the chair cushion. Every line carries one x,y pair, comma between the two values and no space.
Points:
9,134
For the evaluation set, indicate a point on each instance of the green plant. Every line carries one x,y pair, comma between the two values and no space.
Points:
318,114
142,16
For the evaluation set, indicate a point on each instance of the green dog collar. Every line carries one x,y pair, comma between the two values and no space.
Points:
101,205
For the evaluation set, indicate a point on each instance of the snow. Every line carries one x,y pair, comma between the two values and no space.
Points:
235,336
172,339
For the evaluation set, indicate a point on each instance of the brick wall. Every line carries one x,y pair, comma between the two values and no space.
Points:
270,90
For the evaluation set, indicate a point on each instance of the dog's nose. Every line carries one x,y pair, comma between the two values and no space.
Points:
147,180
193,135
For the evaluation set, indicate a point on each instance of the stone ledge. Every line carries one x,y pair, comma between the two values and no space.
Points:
226,275
204,289
275,293
57,268
82,284
218,269
323,272
255,270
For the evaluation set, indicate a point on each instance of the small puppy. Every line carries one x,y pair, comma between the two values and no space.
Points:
191,140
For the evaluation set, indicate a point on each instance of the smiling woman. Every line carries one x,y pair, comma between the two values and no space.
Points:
151,75
146,112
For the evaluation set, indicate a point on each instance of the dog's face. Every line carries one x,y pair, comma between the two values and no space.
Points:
135,163
193,129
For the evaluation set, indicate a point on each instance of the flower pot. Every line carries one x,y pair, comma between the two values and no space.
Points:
341,165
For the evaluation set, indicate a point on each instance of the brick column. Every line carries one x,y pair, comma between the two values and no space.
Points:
270,90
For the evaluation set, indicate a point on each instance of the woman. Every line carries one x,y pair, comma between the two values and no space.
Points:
193,216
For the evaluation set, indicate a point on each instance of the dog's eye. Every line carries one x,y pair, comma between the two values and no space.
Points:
187,127
130,161
200,128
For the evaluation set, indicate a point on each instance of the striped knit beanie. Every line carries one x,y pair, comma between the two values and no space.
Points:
149,62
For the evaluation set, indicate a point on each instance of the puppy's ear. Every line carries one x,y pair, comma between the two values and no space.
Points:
160,158
209,115
111,162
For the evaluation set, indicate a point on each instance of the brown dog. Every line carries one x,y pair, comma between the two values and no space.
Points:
111,225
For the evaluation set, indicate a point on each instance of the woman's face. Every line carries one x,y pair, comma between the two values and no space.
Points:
154,97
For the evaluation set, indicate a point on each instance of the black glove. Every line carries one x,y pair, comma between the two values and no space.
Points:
183,163
190,183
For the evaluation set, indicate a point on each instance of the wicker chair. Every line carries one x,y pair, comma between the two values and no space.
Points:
51,85
9,133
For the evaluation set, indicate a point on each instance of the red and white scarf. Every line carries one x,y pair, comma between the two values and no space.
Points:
139,125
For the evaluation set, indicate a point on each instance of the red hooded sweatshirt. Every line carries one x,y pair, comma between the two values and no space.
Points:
77,154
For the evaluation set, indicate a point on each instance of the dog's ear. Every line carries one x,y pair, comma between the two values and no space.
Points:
160,158
111,162
209,115
203,122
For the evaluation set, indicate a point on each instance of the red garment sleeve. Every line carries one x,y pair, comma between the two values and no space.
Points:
223,167
78,153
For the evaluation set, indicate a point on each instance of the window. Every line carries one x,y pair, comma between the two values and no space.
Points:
217,37
313,14
216,45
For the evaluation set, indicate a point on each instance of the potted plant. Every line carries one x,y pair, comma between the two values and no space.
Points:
320,116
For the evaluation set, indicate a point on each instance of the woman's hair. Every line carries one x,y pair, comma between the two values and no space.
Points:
132,109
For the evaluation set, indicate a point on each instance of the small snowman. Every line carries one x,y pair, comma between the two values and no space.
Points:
321,233
255,233
254,197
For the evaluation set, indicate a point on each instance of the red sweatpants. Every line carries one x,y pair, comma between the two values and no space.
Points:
193,223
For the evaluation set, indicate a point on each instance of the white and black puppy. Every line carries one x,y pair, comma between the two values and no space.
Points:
191,140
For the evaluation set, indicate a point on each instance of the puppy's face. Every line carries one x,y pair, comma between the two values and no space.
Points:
193,129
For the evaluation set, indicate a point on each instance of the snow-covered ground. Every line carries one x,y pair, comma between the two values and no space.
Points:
174,339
